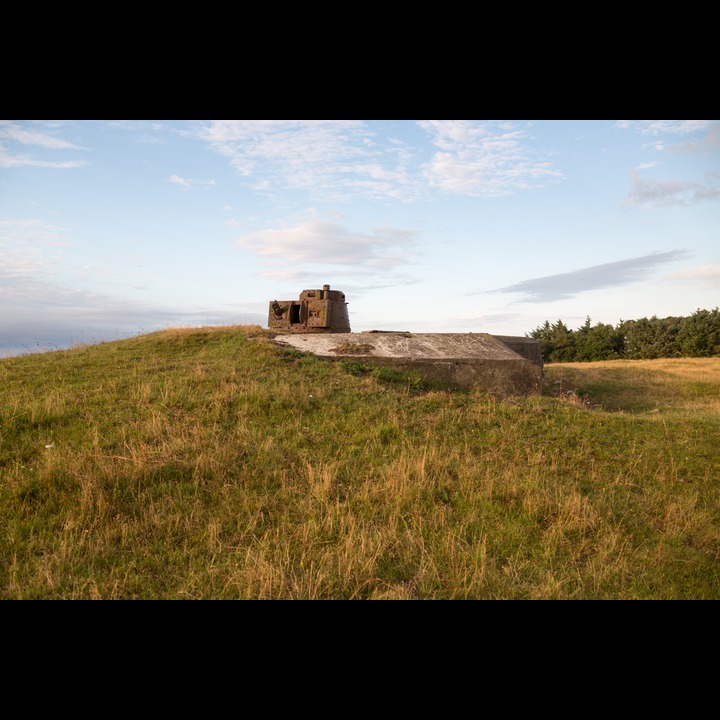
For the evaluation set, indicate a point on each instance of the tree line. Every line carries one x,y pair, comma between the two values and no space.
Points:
695,336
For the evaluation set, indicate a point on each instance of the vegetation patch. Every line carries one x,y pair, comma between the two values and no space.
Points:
210,463
645,339
409,379
348,348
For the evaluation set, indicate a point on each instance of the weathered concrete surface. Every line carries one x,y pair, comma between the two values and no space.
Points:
528,348
463,360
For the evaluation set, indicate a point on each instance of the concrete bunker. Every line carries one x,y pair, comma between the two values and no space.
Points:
318,322
315,311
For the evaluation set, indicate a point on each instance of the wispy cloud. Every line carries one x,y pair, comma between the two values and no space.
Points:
342,159
188,183
13,134
30,231
151,140
320,242
665,127
8,160
45,316
566,285
177,180
704,138
703,275
706,134
484,159
328,156
142,126
706,143
304,254
670,193
42,311
24,135
29,250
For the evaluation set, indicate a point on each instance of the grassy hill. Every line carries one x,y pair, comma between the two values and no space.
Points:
211,464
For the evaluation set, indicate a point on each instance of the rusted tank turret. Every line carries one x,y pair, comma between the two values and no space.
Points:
317,311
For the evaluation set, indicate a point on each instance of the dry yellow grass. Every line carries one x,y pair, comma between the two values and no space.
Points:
208,463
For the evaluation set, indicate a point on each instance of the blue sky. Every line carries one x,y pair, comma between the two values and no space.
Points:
110,228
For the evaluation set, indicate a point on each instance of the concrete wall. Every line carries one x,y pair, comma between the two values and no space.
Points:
529,348
462,360
497,377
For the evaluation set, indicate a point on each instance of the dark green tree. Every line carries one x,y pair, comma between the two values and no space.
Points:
643,339
699,334
601,342
646,339
563,343
544,334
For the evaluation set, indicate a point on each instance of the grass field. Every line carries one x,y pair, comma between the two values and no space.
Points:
209,463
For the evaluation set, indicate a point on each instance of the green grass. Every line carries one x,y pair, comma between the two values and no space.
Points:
212,464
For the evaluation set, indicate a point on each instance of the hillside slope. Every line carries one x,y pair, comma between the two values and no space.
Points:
210,464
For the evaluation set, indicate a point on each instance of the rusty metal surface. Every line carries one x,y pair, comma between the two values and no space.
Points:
315,311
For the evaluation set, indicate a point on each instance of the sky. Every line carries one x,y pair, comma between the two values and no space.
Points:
114,228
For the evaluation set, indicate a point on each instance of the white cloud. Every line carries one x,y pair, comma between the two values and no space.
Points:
670,193
151,140
344,159
325,243
705,275
483,159
706,143
30,231
41,311
45,316
32,256
27,136
290,146
15,134
8,161
138,126
706,133
177,180
187,182
665,127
